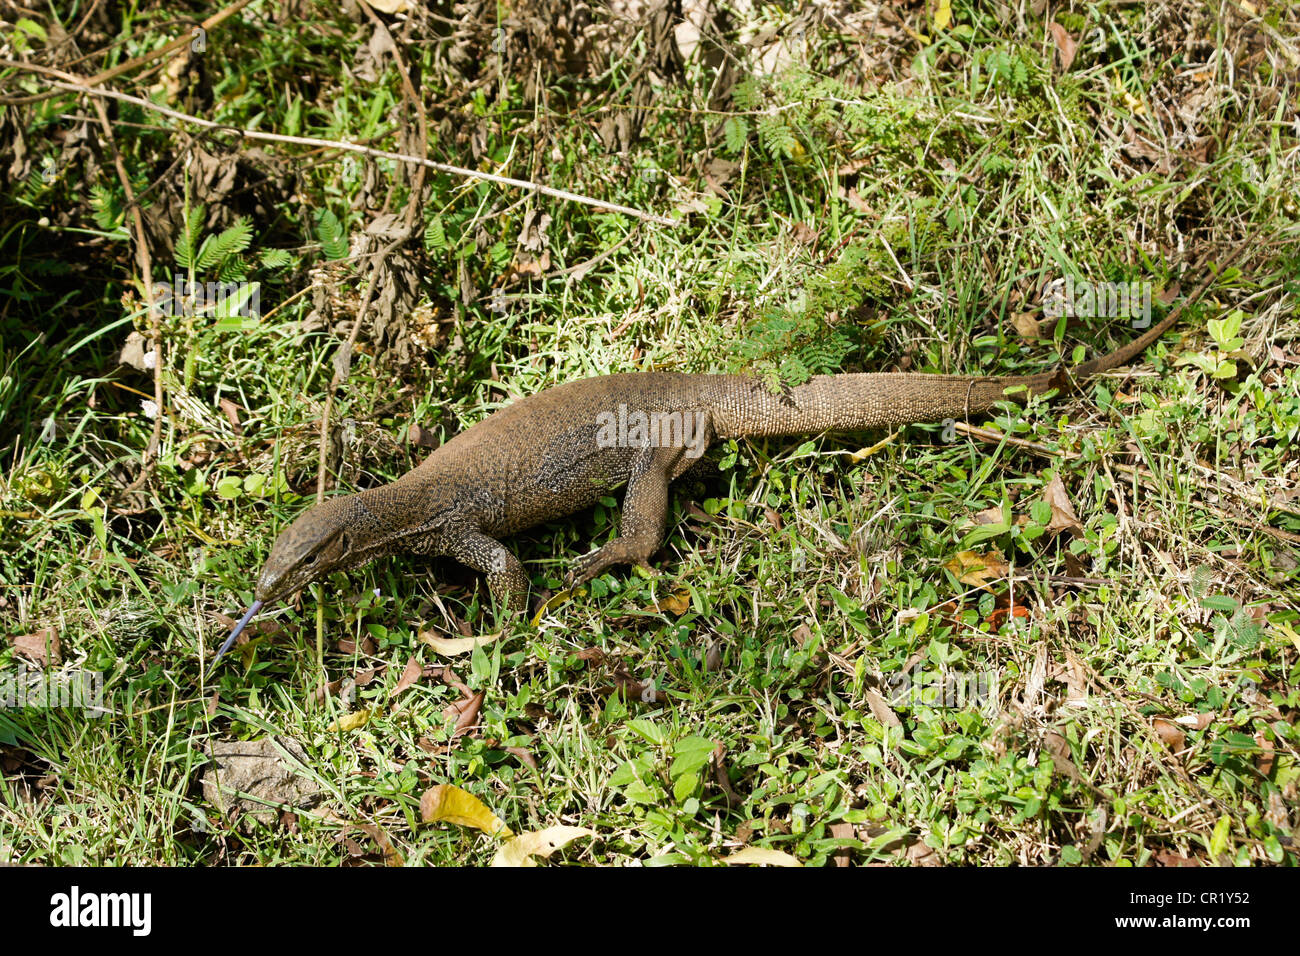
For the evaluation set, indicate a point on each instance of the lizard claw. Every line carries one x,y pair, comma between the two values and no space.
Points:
585,568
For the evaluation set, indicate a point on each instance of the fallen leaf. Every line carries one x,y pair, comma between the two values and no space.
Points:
525,756
1036,680
1065,45
1264,762
419,435
1170,734
392,856
520,850
843,856
676,604
466,713
1063,516
864,453
881,710
446,803
453,646
358,718
803,233
942,15
977,569
413,672
1026,326
231,411
556,600
42,647
922,854
761,856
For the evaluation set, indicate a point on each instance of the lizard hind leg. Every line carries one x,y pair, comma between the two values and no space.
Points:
645,513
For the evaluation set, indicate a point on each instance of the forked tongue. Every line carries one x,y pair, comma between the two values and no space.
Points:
239,628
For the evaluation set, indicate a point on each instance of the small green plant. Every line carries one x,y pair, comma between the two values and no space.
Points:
1221,363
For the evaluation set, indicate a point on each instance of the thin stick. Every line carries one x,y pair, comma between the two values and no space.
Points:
145,263
80,88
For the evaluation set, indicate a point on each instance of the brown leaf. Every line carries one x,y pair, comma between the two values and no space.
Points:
1063,516
231,411
1026,326
1065,45
41,647
633,689
1170,858
525,756
1195,721
1170,734
348,645
722,779
392,857
466,713
424,437
1264,762
803,233
920,854
856,202
413,672
843,856
881,710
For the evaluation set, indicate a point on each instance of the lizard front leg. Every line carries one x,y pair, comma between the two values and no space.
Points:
505,574
645,507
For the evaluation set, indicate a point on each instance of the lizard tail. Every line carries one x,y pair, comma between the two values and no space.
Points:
861,401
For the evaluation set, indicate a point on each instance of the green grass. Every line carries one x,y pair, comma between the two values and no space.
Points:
813,579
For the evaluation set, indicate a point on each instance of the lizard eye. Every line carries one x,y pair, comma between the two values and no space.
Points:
310,559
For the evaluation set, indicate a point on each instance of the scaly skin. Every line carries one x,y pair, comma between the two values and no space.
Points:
539,459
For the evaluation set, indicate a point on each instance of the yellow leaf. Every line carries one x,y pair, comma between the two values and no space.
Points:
452,646
448,804
942,15
521,850
976,569
861,453
761,856
560,598
1289,632
358,718
677,603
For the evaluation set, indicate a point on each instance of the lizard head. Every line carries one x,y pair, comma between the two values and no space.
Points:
326,538
322,540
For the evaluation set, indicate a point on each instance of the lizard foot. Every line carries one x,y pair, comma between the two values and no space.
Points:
594,563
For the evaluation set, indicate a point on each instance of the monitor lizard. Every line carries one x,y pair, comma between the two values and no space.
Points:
561,450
